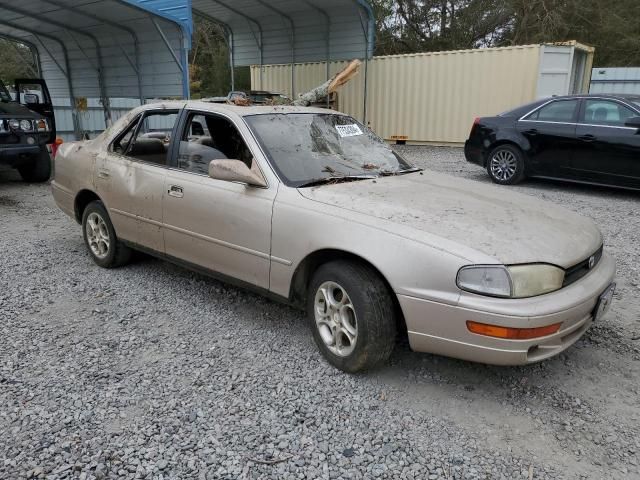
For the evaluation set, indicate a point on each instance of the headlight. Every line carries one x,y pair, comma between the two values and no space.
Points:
518,281
533,280
43,125
26,125
3,126
485,280
14,124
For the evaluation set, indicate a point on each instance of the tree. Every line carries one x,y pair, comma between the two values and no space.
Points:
16,61
612,26
209,64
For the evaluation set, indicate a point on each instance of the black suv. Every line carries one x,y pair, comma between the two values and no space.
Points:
27,125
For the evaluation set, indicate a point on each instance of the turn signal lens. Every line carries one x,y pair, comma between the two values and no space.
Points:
43,126
512,333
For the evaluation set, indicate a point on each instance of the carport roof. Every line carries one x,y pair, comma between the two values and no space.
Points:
101,48
291,31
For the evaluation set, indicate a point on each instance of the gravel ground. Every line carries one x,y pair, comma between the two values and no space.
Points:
151,371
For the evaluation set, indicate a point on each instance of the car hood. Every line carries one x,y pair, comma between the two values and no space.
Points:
509,227
13,108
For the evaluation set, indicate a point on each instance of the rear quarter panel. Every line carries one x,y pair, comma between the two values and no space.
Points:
74,170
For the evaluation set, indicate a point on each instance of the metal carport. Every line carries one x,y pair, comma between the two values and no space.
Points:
262,32
102,49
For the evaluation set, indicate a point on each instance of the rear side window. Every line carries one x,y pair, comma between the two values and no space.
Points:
153,137
607,113
562,111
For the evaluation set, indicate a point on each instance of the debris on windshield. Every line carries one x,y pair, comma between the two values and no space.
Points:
370,166
328,169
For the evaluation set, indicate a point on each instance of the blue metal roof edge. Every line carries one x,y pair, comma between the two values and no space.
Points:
176,11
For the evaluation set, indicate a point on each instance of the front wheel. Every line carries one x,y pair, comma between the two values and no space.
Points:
39,170
352,316
506,165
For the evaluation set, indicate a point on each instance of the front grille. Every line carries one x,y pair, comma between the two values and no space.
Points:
9,139
575,273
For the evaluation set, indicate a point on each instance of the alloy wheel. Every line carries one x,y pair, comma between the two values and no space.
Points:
504,165
97,235
336,319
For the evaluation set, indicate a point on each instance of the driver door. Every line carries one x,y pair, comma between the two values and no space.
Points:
34,94
222,226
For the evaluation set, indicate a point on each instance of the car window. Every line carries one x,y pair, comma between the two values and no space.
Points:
605,112
122,141
152,138
558,111
210,137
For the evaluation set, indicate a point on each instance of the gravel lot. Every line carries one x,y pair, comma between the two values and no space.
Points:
151,371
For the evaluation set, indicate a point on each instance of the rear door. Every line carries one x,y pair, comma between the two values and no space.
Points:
130,177
608,151
551,133
34,94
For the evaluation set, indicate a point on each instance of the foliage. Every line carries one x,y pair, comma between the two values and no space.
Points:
209,63
612,26
16,61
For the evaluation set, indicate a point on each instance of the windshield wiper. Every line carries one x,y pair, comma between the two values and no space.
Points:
326,180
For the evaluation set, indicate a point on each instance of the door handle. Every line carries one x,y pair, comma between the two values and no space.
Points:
103,174
533,132
587,138
176,191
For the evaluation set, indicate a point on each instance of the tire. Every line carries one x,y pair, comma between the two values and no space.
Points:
103,244
505,165
368,307
39,170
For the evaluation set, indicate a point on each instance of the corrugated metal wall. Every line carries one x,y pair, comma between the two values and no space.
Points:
91,120
615,80
428,97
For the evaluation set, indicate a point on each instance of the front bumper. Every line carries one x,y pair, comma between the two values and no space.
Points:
441,329
16,155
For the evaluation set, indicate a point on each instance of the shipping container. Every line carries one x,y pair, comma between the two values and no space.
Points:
434,97
616,80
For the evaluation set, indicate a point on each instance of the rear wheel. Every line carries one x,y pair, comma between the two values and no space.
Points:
506,165
351,315
39,170
100,237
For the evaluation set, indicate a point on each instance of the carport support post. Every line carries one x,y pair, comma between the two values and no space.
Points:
232,60
77,127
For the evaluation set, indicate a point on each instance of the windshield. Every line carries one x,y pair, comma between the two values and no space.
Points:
309,147
4,93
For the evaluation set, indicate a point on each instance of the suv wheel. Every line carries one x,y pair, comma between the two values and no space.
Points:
506,165
100,237
351,314
39,170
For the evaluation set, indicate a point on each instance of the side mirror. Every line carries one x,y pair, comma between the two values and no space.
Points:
633,122
30,99
234,171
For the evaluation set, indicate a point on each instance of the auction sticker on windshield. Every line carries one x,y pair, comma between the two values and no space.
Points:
349,130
